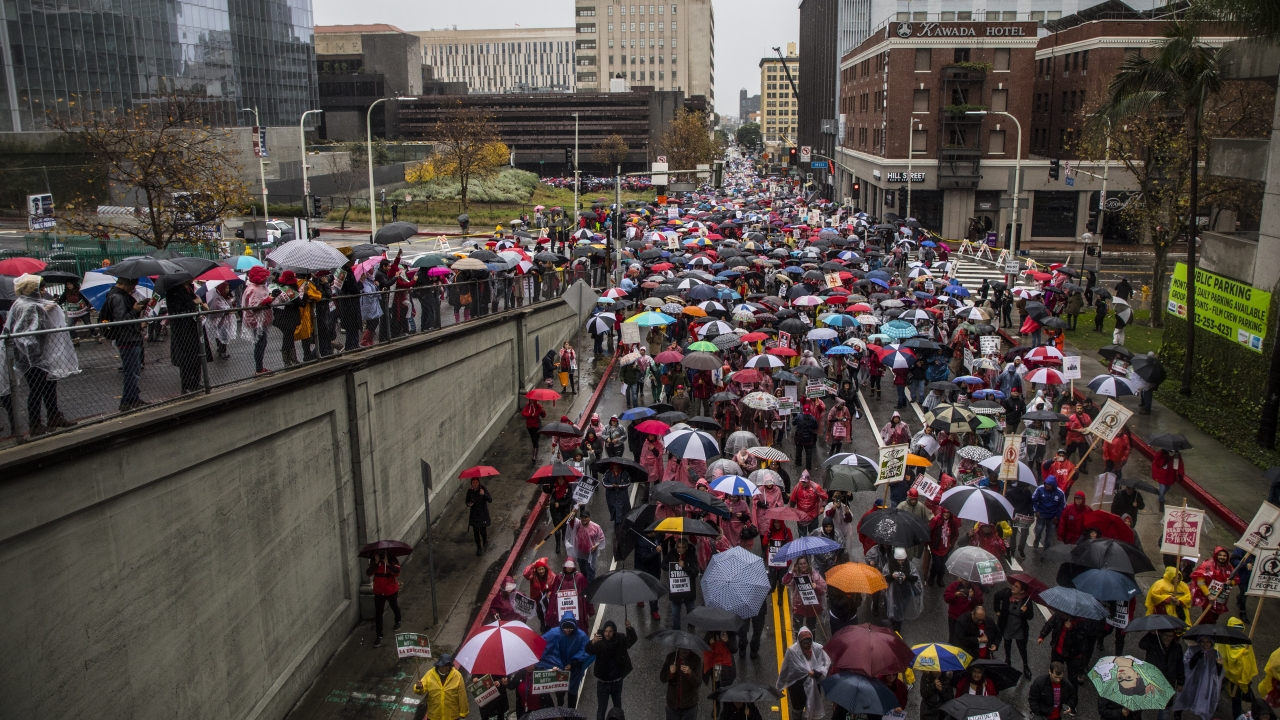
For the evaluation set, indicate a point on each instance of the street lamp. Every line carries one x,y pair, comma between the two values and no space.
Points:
575,170
368,126
302,140
262,166
1017,183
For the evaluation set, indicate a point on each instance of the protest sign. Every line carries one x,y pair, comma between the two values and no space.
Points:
523,604
1265,579
784,339
630,333
805,589
893,463
567,602
1180,533
927,488
774,547
1009,460
1261,529
412,645
1111,418
833,280
483,689
1119,617
1070,367
549,681
968,359
584,489
989,344
677,578
990,572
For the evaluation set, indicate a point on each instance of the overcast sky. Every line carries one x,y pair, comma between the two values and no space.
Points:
746,30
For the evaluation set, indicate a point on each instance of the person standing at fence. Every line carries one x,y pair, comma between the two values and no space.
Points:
41,359
222,326
118,306
349,290
184,335
257,301
286,316
308,295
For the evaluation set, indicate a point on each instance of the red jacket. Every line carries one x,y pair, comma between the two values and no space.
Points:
958,605
385,577
1071,522
1117,451
943,535
809,498
1167,469
1074,425
533,415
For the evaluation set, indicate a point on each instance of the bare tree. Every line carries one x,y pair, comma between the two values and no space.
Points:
687,143
467,147
163,155
347,183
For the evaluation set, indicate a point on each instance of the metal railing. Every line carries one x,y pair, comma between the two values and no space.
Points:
57,378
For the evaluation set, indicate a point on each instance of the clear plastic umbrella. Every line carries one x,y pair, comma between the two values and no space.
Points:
740,440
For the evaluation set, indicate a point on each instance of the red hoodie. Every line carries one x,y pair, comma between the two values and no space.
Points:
1071,523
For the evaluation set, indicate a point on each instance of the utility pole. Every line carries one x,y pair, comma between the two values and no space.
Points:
302,140
262,165
575,171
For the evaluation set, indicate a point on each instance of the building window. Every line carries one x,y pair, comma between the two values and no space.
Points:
1084,61
586,12
920,101
610,27
587,28
610,59
610,42
586,77
1001,63
919,142
964,16
673,72
924,59
1000,100
610,11
1082,99
673,9
996,145
948,17
651,75
960,55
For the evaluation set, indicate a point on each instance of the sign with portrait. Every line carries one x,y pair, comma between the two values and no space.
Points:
1110,420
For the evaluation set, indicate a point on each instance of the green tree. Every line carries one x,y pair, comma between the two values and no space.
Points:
611,151
1181,76
360,153
687,143
749,135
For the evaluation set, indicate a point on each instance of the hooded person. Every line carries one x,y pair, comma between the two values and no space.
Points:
1170,595
1203,685
1269,685
809,498
895,432
445,689
501,607
1071,523
566,650
1239,668
41,359
613,663
804,665
1210,584
257,317
904,599
574,586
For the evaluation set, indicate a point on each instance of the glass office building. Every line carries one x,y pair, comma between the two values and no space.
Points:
75,56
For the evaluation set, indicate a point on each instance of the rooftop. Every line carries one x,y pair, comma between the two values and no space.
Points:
375,28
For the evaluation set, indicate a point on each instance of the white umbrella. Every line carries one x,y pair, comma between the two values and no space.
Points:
308,256
972,563
977,504
765,361
1111,386
501,648
1024,472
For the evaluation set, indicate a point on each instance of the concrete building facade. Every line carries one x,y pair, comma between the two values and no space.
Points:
504,60
779,106
819,62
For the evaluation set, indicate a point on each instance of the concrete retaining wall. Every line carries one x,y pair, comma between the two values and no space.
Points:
199,559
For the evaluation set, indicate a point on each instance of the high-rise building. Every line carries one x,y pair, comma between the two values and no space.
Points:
779,106
669,46
858,19
819,61
748,105
506,60
84,57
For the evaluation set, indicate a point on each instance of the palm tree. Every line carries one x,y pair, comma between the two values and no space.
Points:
1181,76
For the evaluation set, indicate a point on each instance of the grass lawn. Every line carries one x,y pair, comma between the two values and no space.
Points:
1139,337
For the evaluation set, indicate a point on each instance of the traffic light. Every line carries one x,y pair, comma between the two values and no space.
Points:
857,187
315,206
902,198
1092,223
792,156
568,156
1053,169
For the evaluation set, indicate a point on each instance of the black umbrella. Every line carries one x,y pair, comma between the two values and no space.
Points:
55,277
724,397
661,407
194,266
812,371
1149,368
136,268
1054,322
972,706
1169,441
859,694
1138,485
1000,673
1111,352
1107,554
702,500
679,639
625,586
1220,634
631,467
395,232
1045,416
895,527
1036,310
484,255
712,619
548,257
704,423
672,417
559,429
1156,623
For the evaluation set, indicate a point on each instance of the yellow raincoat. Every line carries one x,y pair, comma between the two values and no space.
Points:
310,294
1239,665
1270,681
446,700
1165,589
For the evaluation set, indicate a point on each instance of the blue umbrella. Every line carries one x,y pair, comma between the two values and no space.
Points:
840,320
704,292
898,329
923,295
882,274
637,413
841,350
968,380
985,393
882,283
1075,603
691,445
96,285
1106,585
928,243
956,290
735,580
859,694
734,485
806,545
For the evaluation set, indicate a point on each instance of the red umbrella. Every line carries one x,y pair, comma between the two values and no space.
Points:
394,548
749,375
21,266
1109,525
542,394
501,648
660,267
222,273
869,649
754,337
782,352
653,427
668,356
784,513
554,470
479,471
1034,586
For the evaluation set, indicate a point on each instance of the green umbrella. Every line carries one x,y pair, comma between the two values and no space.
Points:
852,478
1130,682
703,346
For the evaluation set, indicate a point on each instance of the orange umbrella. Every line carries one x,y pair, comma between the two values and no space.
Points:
918,460
695,311
853,577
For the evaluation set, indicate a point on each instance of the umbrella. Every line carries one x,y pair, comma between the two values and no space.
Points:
745,692
1108,525
1220,633
1000,673
672,417
724,397
479,471
806,545
703,422
853,577
395,232
976,453
307,255
679,639
702,361
543,394
713,618
1111,352
637,413
559,429
1131,683
859,694
784,513
735,580
653,427
691,445
500,648
632,468
1073,602
977,504
980,706
1111,386
734,485
556,469
936,657
1106,585
760,401
868,649
650,319
394,548
974,564
1045,376
17,266
136,268
1106,554
1169,441
624,586
702,500
1156,623
952,419
684,526
1149,368
1045,416
895,527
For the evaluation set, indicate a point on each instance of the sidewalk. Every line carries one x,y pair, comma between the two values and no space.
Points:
361,682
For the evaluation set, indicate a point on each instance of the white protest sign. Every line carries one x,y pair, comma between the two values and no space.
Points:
1103,485
804,587
549,681
968,359
630,333
989,344
1111,418
585,488
523,604
677,578
1180,534
1009,460
990,572
927,488
774,547
1070,367
1265,579
567,602
893,463
412,645
1120,616
1261,529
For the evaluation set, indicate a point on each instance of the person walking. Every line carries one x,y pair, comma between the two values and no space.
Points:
478,499
804,665
1014,610
1204,670
617,485
385,571
612,665
1052,696
446,691
681,558
682,674
42,359
1048,502
184,335
118,306
566,649
806,440
808,592
533,413
1166,470
961,596
944,532
568,368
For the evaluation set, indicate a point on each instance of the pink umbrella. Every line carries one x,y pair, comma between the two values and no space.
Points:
438,271
501,648
222,273
367,265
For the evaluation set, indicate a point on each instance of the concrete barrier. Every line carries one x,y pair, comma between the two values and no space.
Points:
199,559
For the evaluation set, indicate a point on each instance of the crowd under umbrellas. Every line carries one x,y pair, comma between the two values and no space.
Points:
762,326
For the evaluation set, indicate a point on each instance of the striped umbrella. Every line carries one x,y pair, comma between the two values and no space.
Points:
806,545
501,648
807,301
1024,471
734,485
735,580
897,358
765,361
764,452
1045,376
711,306
713,328
898,329
1111,386
691,445
952,419
601,324
936,657
977,504
683,526
1044,353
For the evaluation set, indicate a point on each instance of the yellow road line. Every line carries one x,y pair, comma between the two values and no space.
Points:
780,648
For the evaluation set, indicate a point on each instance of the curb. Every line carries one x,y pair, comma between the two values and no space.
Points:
522,539
1193,488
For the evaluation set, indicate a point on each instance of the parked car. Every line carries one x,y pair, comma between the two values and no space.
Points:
278,231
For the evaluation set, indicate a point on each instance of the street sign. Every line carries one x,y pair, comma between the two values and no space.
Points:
1012,267
806,152
259,141
818,164
659,169
661,159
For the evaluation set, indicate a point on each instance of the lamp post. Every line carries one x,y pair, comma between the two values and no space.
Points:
911,151
575,171
262,166
368,126
302,143
1017,184
1102,197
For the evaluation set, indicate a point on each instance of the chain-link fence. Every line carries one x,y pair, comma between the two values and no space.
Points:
80,370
